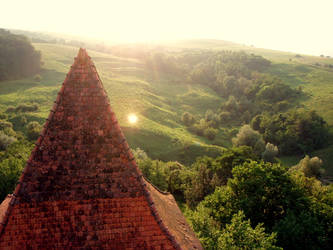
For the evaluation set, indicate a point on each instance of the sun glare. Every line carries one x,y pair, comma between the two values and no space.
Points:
132,118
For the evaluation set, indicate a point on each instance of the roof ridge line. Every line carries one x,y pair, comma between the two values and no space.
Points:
27,165
155,213
7,213
157,189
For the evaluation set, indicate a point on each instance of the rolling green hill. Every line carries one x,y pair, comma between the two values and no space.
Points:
159,104
158,131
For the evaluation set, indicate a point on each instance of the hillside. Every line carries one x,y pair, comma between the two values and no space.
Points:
160,103
159,107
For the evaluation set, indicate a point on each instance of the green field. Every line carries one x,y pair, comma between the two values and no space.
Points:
159,104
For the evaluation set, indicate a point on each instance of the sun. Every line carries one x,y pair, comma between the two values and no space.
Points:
132,118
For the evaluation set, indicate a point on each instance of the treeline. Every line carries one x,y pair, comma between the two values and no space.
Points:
18,58
240,201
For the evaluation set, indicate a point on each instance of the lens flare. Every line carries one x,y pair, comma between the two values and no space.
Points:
132,118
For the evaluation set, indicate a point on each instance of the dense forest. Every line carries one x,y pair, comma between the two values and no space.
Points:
238,201
243,198
18,58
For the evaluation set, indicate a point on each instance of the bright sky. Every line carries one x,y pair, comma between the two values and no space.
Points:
303,26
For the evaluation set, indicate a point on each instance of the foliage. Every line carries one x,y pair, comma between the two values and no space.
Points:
293,132
5,140
311,167
12,162
17,56
210,133
271,151
240,235
37,78
211,173
167,176
206,228
248,137
187,119
139,154
292,205
24,107
302,228
5,125
33,130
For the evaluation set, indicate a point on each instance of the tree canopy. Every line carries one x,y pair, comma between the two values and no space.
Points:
18,58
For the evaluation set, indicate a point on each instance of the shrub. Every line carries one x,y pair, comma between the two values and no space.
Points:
37,78
209,115
3,116
33,130
210,133
311,167
187,119
5,124
5,140
248,137
10,109
139,154
225,117
271,151
26,107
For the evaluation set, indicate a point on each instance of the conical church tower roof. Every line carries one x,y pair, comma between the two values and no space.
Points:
81,187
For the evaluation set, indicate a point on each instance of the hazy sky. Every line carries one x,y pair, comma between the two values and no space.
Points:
303,26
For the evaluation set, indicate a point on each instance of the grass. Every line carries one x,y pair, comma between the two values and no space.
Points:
160,104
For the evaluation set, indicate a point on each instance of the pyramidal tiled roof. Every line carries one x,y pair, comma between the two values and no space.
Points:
81,187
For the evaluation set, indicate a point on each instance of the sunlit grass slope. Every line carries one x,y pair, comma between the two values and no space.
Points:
158,106
310,72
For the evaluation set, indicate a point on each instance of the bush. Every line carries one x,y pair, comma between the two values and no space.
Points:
225,117
3,116
311,167
210,133
5,140
139,154
10,109
5,124
271,151
37,78
33,130
187,119
26,108
248,137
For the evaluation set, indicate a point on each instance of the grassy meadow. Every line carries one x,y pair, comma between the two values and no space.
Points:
159,104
